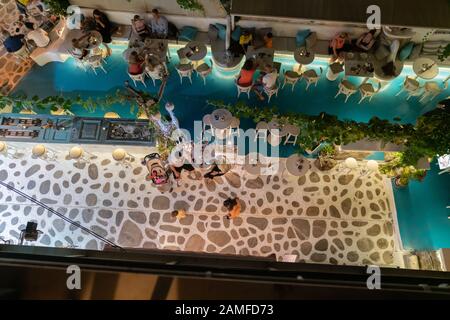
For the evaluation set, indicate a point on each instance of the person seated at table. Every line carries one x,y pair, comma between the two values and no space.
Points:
22,6
22,26
103,25
135,64
155,68
366,41
159,24
267,81
140,27
245,40
12,43
247,73
338,45
268,41
78,51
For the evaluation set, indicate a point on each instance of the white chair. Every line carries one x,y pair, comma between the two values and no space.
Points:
241,89
122,157
432,89
262,131
9,151
350,164
368,91
292,132
371,167
95,62
23,53
156,73
78,154
234,127
311,77
207,121
411,87
138,78
204,70
185,71
39,151
346,88
271,92
291,77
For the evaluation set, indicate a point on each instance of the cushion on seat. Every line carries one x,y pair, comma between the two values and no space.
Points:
188,33
382,52
311,40
300,38
222,31
415,53
406,51
236,34
213,33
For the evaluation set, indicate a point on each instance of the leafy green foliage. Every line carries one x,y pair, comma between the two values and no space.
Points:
57,7
429,137
191,5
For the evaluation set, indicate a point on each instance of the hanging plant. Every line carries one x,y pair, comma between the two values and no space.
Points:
57,7
191,5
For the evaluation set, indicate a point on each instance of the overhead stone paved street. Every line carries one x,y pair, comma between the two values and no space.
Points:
323,217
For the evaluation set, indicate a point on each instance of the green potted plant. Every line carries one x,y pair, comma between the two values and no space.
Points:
400,173
326,160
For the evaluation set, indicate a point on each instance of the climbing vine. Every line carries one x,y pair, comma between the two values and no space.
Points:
191,5
428,138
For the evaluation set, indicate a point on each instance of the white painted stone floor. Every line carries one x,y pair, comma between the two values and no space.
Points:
323,217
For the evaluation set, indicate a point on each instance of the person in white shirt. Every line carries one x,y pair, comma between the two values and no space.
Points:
267,81
39,37
159,24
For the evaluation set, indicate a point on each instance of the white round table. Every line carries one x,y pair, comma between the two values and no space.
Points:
351,163
304,56
221,119
253,164
76,153
276,131
119,154
425,68
198,50
297,165
39,150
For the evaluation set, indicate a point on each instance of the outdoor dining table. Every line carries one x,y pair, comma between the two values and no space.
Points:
359,64
221,119
93,40
156,47
426,68
261,56
297,165
196,51
277,132
304,56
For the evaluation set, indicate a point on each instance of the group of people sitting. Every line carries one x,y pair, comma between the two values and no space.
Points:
149,64
342,43
267,79
98,22
157,28
26,31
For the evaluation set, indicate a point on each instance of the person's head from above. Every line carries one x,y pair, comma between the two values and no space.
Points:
134,57
76,43
343,35
21,18
230,203
245,33
268,68
155,13
372,31
248,65
269,35
136,18
97,14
